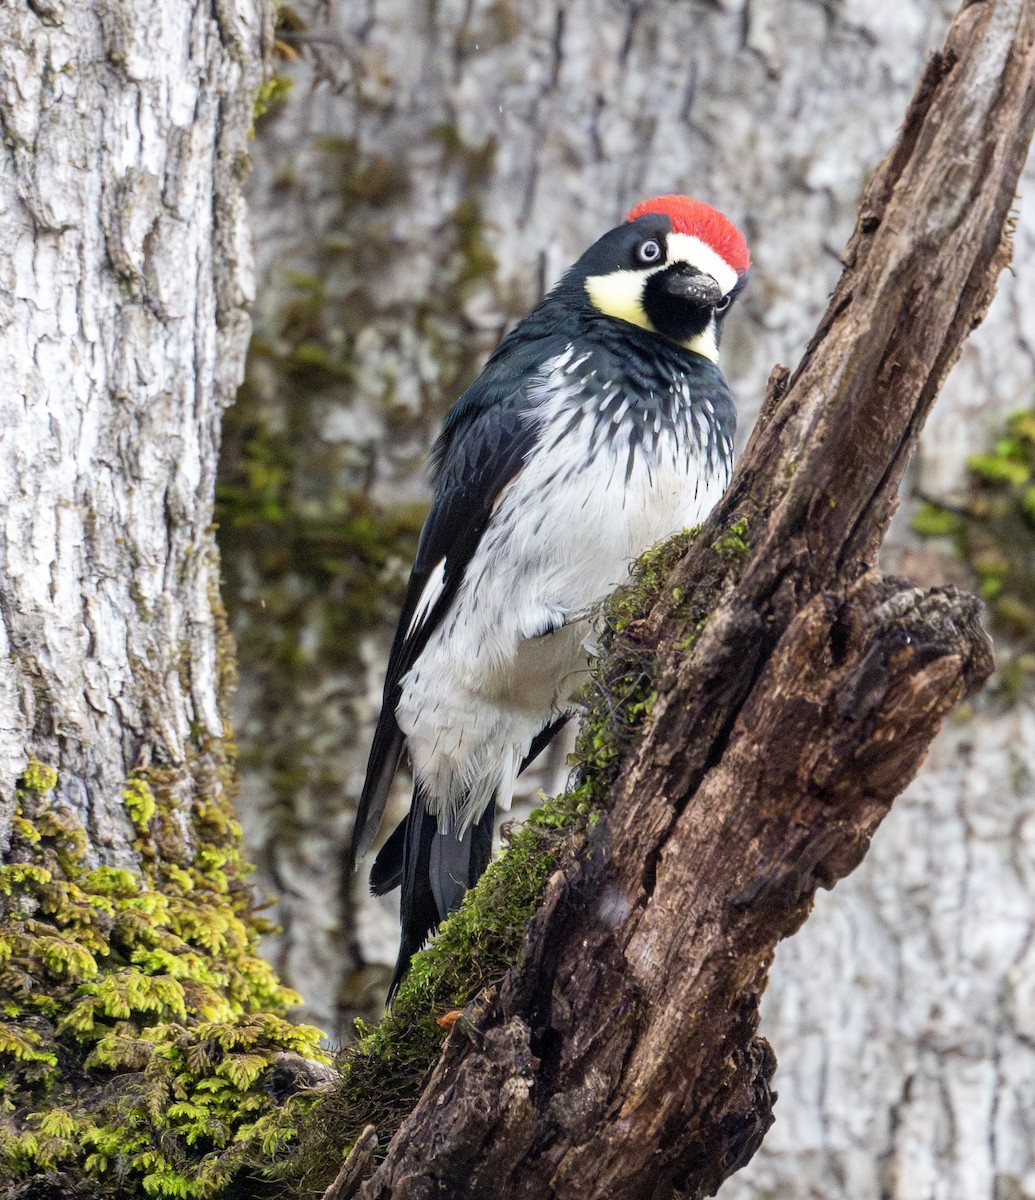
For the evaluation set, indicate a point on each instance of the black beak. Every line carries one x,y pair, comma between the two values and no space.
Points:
701,290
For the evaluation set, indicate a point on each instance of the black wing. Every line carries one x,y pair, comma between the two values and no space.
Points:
484,443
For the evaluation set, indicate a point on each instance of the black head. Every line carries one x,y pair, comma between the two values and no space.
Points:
674,268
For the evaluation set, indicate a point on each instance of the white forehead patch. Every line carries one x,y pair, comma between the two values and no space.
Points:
683,247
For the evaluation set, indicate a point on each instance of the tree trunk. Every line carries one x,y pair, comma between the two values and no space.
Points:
128,938
124,136
791,693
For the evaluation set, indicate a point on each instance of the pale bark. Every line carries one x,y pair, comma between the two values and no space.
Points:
126,920
123,283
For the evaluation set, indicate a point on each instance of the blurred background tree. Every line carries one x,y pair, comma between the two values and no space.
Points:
421,175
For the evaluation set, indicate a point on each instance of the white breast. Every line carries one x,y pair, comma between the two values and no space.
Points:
561,538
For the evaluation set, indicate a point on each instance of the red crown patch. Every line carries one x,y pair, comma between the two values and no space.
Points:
700,220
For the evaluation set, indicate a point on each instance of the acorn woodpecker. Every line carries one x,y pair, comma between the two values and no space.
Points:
600,426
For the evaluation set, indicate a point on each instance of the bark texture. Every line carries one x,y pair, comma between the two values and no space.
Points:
123,286
137,1018
619,1058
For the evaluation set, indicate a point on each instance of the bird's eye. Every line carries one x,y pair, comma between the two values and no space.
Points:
723,304
648,252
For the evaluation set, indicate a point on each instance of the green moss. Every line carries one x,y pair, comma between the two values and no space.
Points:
310,361
478,260
648,577
475,162
140,803
1000,467
38,778
138,1020
271,95
274,90
930,520
383,1071
732,543
992,529
320,563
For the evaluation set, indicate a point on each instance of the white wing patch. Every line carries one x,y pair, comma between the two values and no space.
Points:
432,591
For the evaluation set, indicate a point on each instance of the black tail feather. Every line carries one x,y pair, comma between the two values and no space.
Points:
387,871
418,914
435,872
385,753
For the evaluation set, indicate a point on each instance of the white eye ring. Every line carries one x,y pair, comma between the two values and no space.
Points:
649,251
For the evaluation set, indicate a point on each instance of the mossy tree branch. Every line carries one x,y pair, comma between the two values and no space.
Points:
796,693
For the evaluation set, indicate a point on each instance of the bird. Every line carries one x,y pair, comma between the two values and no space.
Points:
601,425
